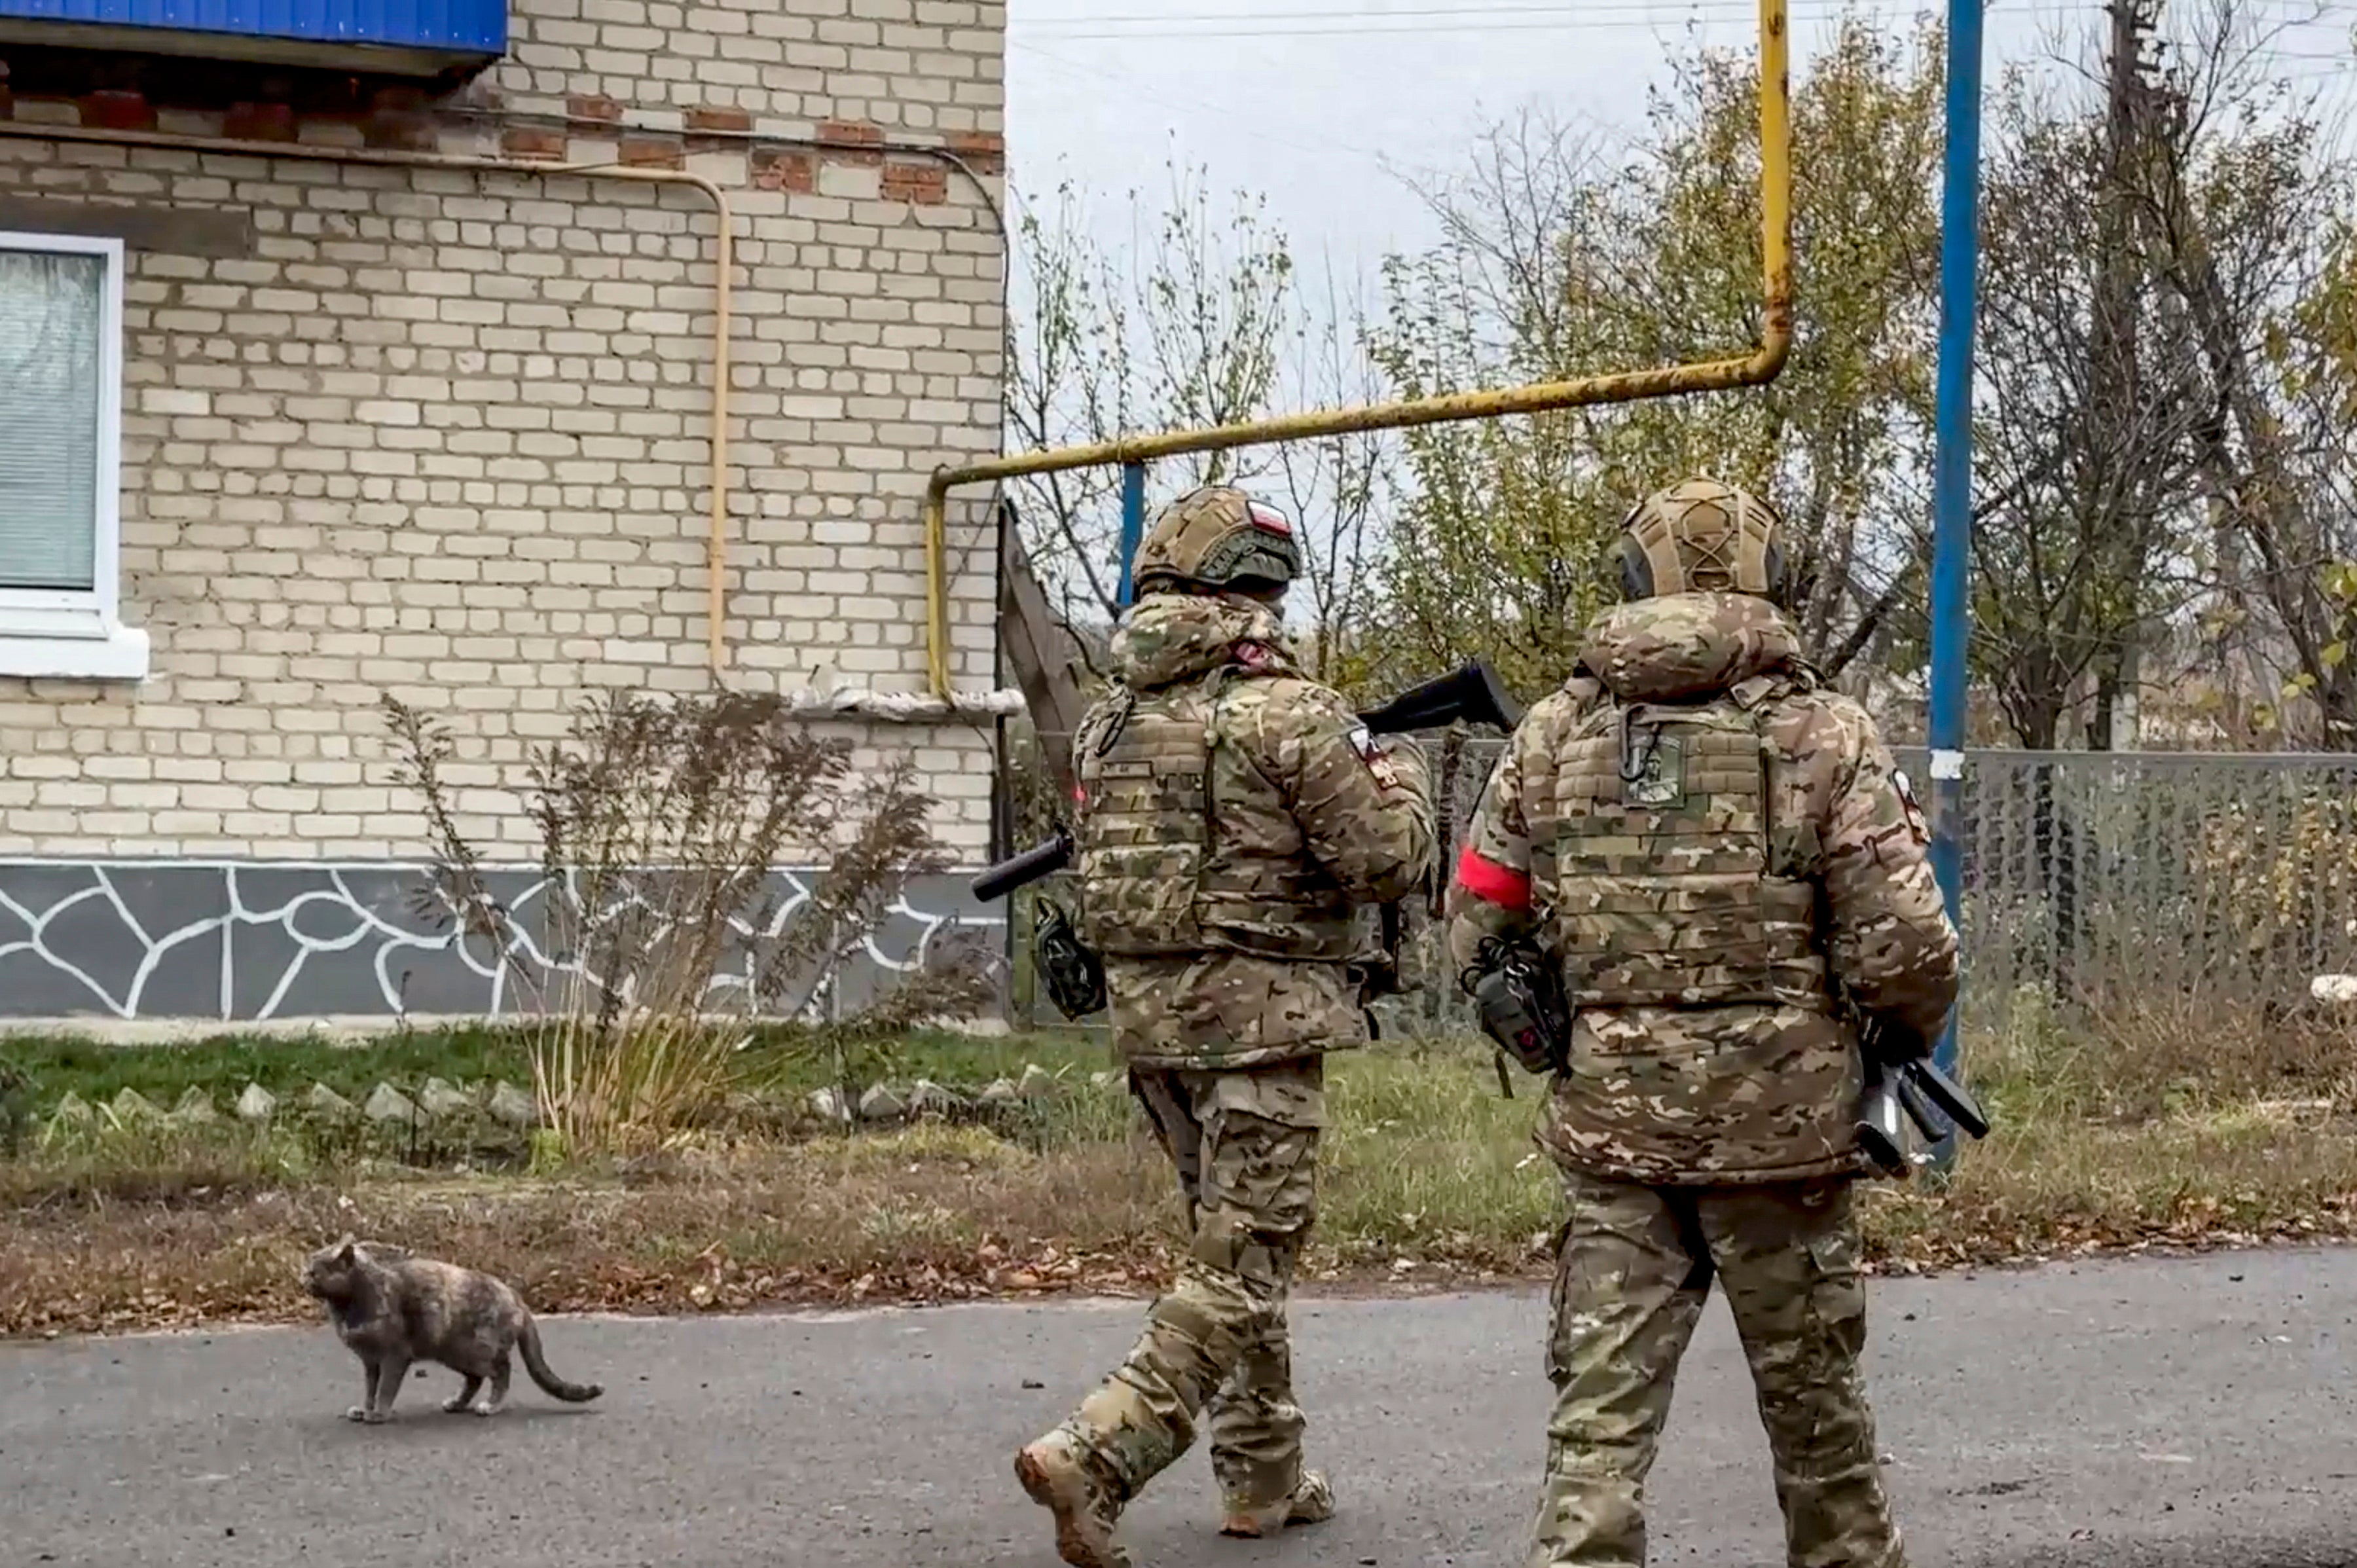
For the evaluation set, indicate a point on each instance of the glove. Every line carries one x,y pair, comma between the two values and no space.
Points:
1888,1042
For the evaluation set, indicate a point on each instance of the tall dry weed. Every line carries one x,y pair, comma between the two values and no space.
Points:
660,927
2123,1057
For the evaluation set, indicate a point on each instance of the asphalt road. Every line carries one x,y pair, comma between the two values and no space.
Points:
2182,1411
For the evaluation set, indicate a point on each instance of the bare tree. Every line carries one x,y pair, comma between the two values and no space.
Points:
2093,393
1184,326
2245,209
1340,489
1200,320
1495,549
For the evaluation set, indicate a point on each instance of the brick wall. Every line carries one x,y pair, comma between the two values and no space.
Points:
445,433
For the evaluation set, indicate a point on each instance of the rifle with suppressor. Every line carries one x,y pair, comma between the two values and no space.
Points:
1472,693
1915,1085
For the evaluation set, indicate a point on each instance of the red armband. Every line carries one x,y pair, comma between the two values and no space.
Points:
1487,880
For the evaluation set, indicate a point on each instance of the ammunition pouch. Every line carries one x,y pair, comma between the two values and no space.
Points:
1073,975
1521,1000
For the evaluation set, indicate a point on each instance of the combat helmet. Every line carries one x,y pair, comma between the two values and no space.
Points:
1702,536
1218,539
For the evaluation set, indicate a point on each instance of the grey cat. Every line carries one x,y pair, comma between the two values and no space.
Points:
393,1310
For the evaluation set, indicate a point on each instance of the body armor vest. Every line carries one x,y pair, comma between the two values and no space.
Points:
1166,869
1670,883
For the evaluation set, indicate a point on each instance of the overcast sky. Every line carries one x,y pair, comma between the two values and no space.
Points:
1307,101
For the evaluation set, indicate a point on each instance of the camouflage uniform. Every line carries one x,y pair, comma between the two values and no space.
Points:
1711,846
1236,827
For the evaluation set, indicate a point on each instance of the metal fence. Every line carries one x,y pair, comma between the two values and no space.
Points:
2219,874
2087,875
2090,874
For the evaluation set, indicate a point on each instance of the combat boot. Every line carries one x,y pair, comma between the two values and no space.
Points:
1058,1472
1312,1502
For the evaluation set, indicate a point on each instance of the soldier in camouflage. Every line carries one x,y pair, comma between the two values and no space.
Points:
1729,872
1237,828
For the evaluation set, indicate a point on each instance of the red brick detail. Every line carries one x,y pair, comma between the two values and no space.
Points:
398,100
411,130
775,168
647,152
115,110
985,150
718,119
590,106
530,142
856,132
259,122
927,184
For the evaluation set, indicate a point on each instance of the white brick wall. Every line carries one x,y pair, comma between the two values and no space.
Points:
444,434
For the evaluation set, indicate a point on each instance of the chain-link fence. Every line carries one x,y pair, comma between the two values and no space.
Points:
2087,875
2090,874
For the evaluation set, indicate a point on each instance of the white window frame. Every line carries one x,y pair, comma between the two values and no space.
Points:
78,633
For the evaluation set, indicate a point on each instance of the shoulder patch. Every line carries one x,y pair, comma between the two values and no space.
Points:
1917,826
1377,758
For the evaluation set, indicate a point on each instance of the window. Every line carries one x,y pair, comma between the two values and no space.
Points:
60,448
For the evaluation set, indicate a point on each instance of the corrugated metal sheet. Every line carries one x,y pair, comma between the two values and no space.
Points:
442,26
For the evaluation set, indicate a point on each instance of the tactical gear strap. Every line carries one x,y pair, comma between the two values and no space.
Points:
1685,1216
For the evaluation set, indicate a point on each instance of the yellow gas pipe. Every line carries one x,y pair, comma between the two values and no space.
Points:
1755,368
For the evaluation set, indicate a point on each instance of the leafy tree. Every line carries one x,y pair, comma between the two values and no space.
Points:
1558,260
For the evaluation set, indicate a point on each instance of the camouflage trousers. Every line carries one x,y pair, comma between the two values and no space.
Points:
1634,1267
1246,1144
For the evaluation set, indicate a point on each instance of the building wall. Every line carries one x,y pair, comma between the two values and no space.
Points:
444,435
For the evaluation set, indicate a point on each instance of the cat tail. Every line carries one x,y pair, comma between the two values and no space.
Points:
528,1346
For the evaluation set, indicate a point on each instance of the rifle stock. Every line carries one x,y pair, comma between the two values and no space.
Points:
1472,693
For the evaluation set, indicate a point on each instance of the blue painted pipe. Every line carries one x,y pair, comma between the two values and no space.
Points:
1951,480
1132,526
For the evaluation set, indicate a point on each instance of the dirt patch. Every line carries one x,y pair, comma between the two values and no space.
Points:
929,1216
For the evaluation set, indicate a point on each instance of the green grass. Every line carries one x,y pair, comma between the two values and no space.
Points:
1425,1154
285,1066
2141,1124
778,1062
786,1063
